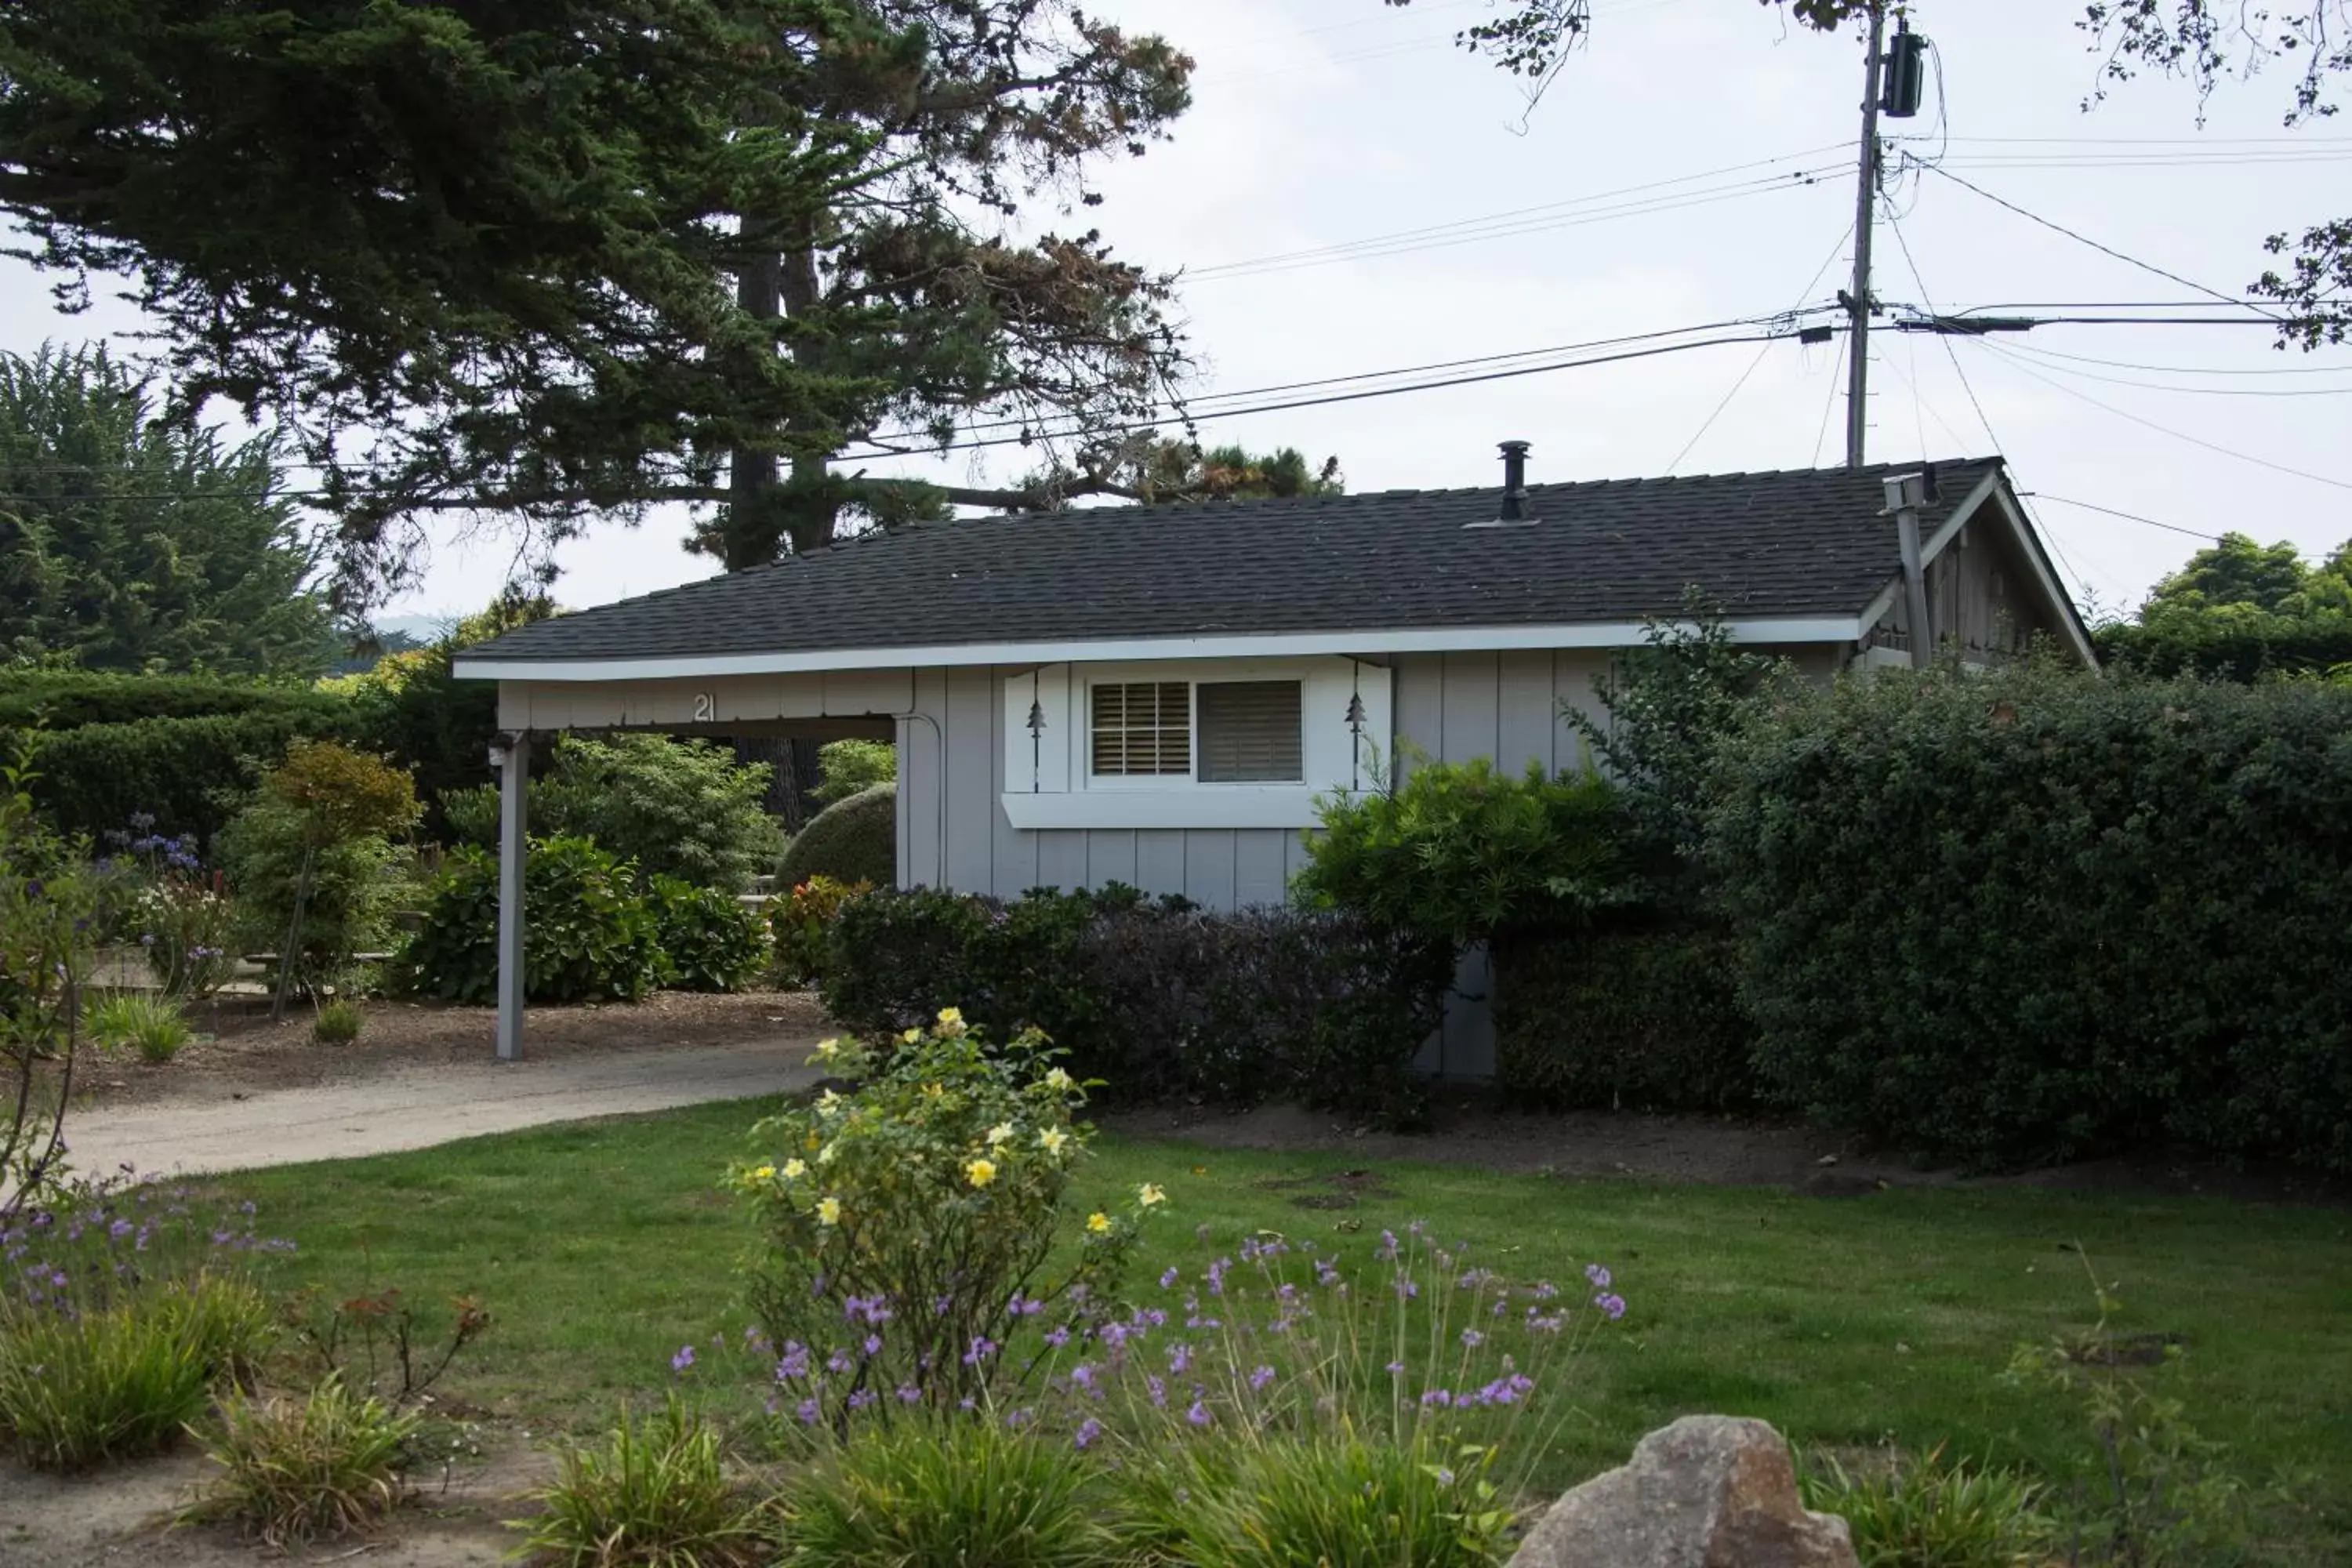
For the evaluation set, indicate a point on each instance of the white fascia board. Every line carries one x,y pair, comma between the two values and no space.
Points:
1195,805
1280,645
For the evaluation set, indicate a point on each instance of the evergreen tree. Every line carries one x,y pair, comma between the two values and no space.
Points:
556,260
132,543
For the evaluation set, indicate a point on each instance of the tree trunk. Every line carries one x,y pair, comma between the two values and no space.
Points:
812,508
750,535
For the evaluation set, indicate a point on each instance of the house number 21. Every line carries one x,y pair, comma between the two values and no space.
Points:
705,707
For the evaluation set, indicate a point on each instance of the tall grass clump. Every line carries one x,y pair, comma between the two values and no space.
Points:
138,1021
338,1022
126,1379
295,1470
1327,1498
1933,1514
655,1494
123,1311
952,1492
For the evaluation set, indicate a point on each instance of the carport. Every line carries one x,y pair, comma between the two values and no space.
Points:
538,700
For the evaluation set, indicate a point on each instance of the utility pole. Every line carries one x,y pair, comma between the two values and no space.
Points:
1858,385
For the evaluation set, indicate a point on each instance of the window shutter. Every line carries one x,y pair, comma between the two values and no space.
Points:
1250,732
1143,727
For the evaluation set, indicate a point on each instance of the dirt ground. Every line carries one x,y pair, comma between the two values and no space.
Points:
120,1517
238,1049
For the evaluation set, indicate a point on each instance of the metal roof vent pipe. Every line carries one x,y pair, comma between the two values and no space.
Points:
1514,512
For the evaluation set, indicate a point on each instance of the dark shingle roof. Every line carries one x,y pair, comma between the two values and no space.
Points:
1802,543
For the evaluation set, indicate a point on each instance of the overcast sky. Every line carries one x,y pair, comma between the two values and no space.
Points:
1320,123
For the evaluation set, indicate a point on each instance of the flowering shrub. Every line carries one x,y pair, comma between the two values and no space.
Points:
179,914
802,923
909,1223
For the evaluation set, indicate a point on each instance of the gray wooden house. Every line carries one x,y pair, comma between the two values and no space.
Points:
1156,695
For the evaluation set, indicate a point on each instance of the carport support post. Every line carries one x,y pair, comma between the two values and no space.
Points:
514,788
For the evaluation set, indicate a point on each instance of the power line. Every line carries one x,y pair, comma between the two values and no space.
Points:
2190,391
1532,219
2184,368
2024,368
2081,238
1650,353
1921,284
1196,405
2127,516
1754,365
1829,403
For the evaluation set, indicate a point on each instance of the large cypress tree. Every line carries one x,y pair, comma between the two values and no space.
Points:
558,260
128,542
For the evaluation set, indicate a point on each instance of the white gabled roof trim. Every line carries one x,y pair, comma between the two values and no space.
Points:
1280,645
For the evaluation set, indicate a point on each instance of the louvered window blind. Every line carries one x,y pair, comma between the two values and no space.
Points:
1142,728
1250,732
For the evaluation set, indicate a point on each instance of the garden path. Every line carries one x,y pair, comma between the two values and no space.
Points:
414,1108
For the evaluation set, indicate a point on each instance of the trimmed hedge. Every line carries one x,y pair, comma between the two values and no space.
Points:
2035,915
59,699
1156,999
2242,647
1628,1017
188,773
853,840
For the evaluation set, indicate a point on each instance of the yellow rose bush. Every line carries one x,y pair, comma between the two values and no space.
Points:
907,1226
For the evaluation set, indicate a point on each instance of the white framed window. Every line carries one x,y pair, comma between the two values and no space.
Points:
1140,728
1189,742
1209,731
1251,731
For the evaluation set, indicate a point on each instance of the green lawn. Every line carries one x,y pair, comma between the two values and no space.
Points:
602,1248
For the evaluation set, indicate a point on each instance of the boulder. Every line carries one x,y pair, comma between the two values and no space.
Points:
1709,1491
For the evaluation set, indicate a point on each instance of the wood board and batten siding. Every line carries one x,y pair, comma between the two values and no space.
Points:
953,831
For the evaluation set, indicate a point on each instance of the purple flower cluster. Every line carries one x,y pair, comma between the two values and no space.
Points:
1270,1336
100,1239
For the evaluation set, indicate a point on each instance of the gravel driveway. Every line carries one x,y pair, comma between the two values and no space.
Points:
414,1108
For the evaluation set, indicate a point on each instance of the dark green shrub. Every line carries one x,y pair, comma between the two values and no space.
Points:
413,707
1157,999
189,774
710,940
2232,642
855,840
1462,852
61,699
677,808
2034,914
898,957
1636,1015
591,936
